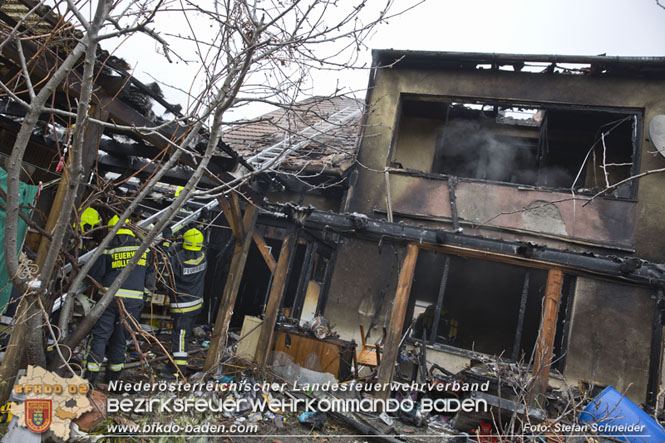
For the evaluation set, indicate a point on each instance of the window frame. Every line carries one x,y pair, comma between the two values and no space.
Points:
636,137
563,317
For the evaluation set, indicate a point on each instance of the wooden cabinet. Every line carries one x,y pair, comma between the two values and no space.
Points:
330,355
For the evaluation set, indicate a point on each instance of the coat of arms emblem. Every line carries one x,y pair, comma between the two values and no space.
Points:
38,415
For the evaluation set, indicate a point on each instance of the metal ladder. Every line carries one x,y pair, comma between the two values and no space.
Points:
270,158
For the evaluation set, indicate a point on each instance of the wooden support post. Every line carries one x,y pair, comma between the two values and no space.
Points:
274,300
517,342
227,210
394,335
218,339
439,300
93,133
545,343
264,249
237,213
54,215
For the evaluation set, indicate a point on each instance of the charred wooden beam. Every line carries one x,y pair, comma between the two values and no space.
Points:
144,169
327,280
656,357
275,299
545,344
400,302
236,212
517,343
305,276
519,253
228,301
265,251
439,299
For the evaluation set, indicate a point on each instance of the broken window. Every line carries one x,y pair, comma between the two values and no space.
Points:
488,307
538,145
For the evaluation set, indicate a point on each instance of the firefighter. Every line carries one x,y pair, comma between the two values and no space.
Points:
187,266
89,220
108,334
447,327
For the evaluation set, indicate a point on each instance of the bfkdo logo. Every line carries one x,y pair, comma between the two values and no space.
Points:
38,415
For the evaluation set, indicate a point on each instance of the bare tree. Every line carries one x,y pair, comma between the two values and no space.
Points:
261,51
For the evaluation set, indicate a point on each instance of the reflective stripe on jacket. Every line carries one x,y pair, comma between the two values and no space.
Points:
189,271
115,258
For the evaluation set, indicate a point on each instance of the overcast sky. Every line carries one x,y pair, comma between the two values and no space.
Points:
573,27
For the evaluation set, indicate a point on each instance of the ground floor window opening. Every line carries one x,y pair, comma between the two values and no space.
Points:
483,306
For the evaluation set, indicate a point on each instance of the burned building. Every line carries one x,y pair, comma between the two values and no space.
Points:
494,197
511,176
477,205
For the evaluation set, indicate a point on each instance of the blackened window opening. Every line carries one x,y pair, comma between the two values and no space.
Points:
485,306
543,146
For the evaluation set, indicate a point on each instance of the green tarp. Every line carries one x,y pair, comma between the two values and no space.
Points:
26,196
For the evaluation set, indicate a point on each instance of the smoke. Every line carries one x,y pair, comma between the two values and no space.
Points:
467,148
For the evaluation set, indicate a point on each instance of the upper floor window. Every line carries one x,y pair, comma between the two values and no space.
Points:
552,146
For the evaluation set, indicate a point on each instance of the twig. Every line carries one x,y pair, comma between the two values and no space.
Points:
624,181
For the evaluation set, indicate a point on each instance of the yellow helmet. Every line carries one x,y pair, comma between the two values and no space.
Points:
114,220
178,189
89,217
193,240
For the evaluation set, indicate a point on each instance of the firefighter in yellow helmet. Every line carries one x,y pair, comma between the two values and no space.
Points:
108,334
89,220
185,280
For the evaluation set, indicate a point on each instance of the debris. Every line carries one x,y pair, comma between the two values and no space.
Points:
254,417
320,328
363,428
20,434
314,418
279,421
484,433
386,419
613,410
225,379
284,367
199,332
92,418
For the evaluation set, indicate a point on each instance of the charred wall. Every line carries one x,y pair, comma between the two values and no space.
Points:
637,220
610,335
363,286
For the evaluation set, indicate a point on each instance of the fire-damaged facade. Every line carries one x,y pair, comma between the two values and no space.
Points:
493,199
475,208
489,219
